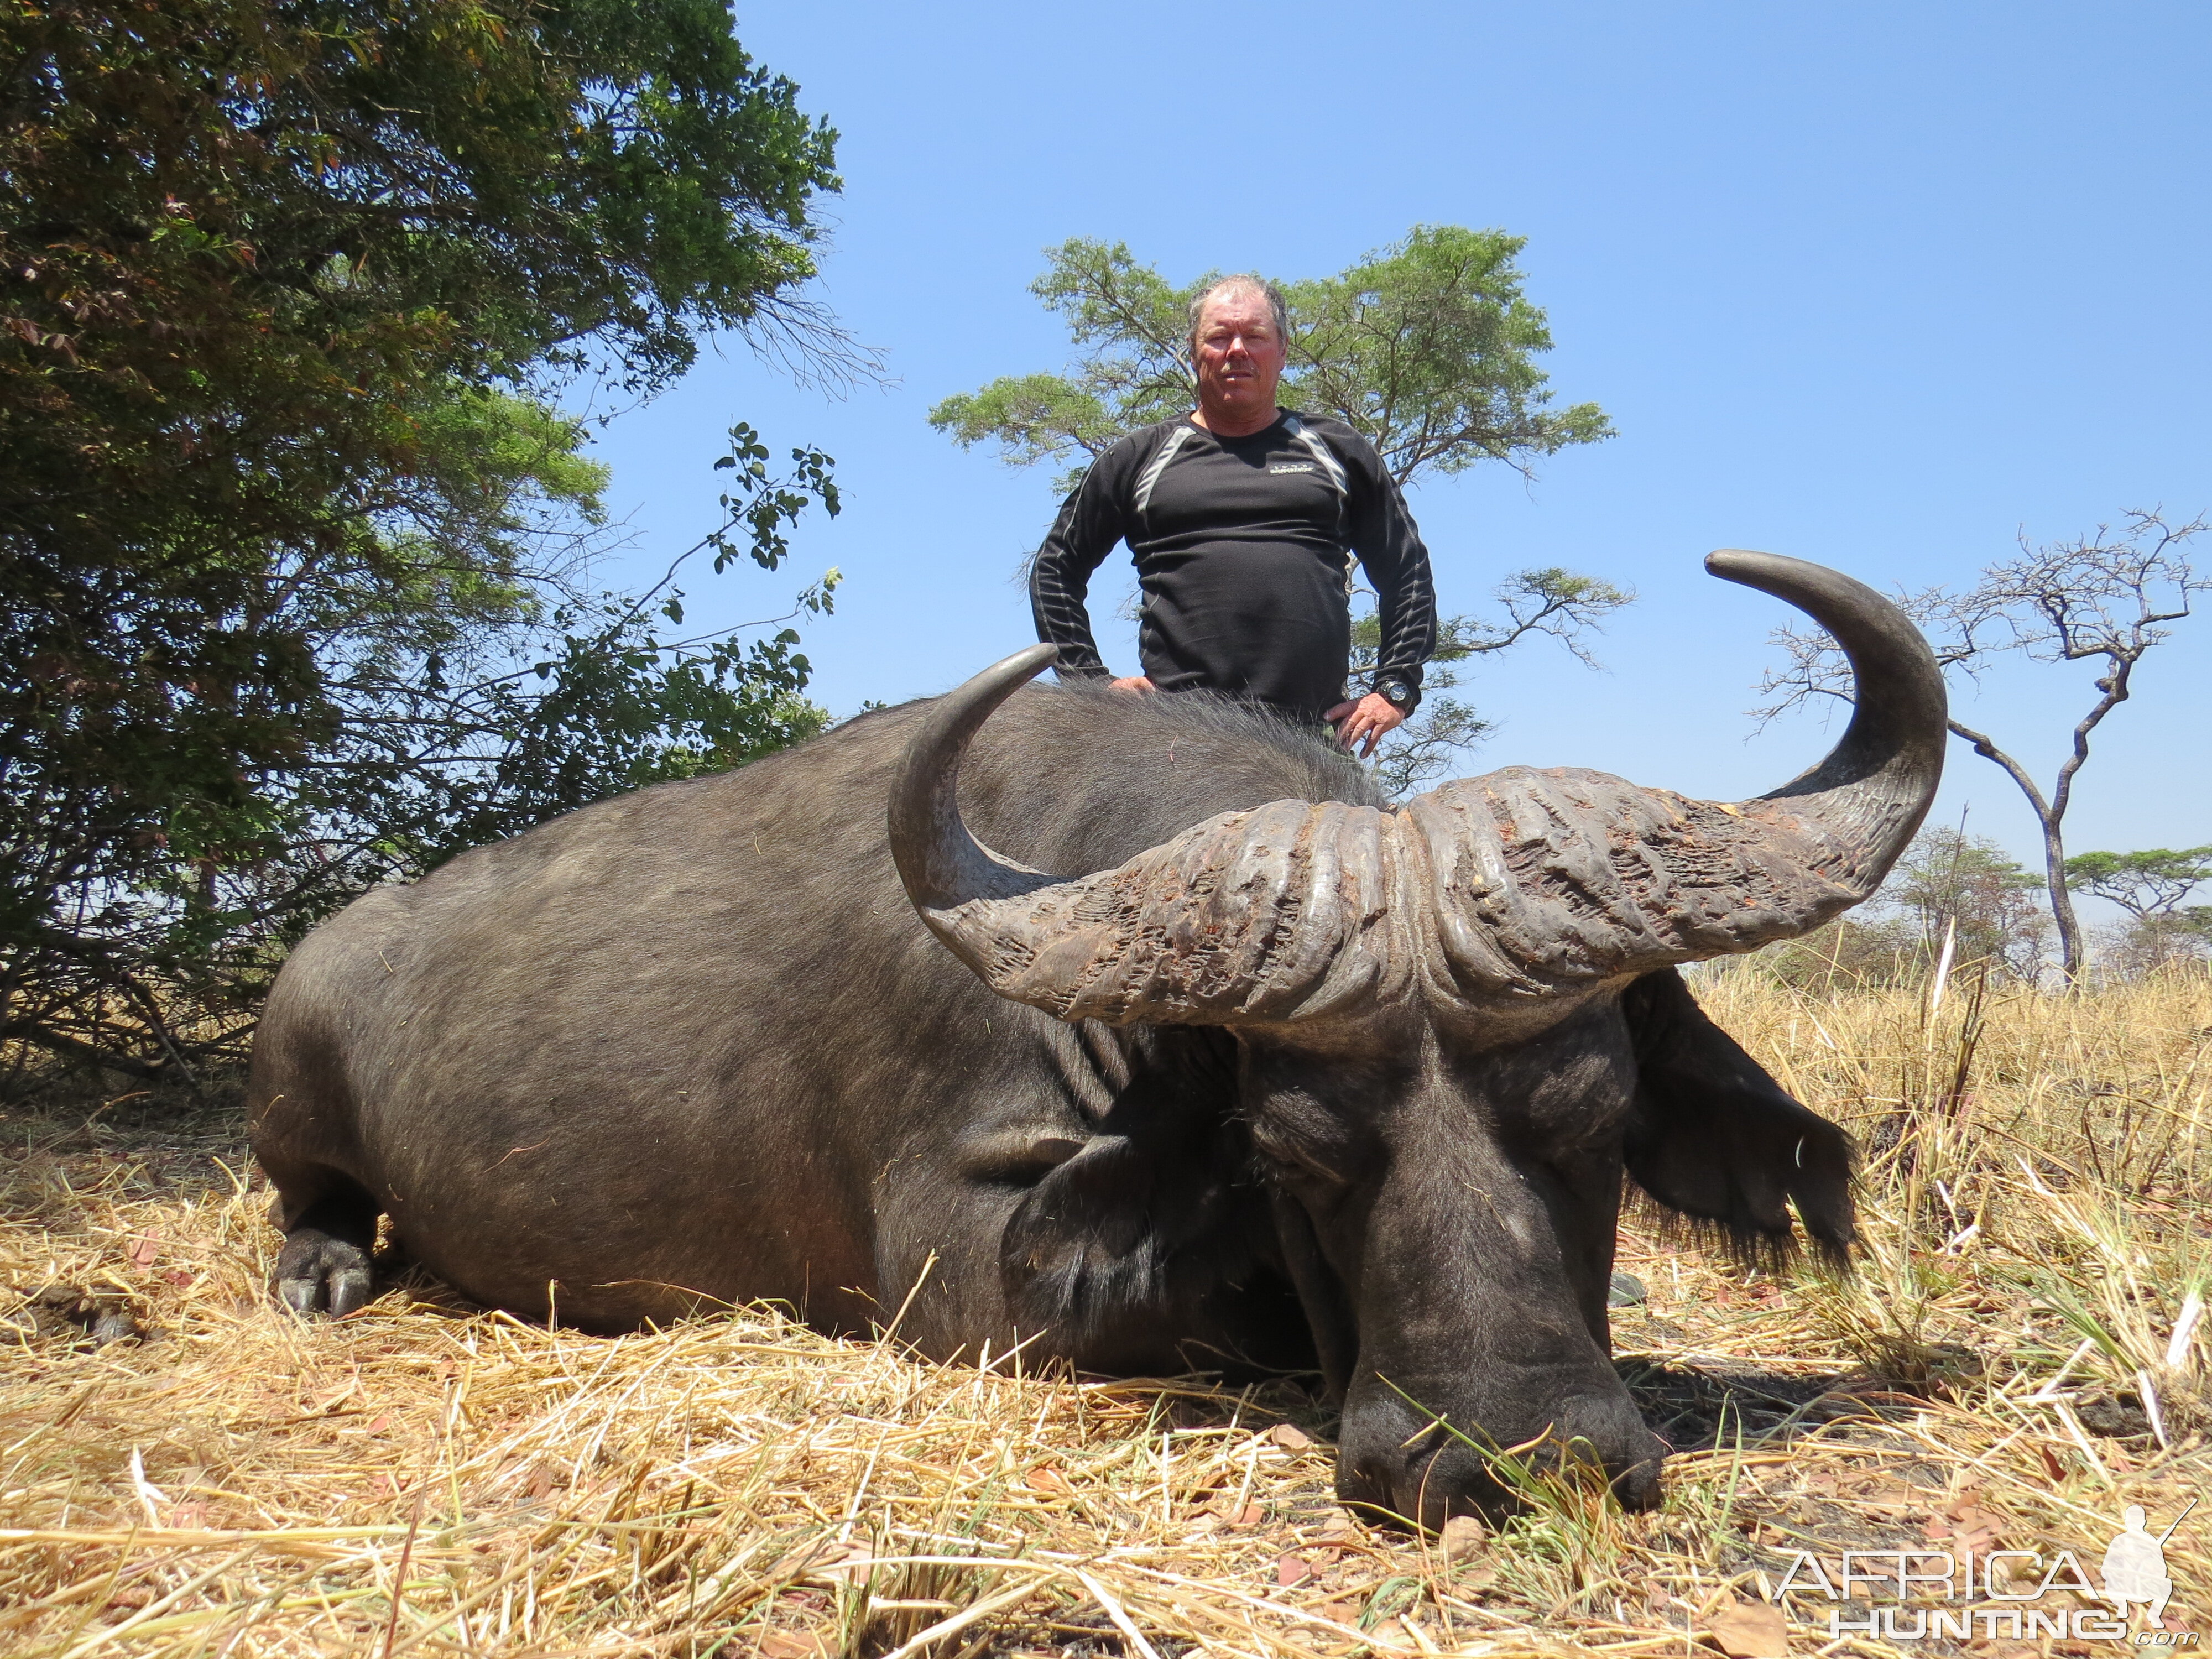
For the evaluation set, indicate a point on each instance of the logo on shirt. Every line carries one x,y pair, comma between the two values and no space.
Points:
1290,466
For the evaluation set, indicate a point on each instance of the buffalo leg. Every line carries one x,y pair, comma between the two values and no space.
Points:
324,1264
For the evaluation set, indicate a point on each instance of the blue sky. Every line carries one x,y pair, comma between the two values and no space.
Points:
1880,286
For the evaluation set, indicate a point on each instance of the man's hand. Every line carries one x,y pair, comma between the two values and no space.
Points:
1373,717
1138,684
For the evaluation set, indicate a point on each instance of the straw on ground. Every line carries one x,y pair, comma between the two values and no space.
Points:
2021,1354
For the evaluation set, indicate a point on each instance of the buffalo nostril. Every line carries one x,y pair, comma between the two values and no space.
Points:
1638,1486
1590,1441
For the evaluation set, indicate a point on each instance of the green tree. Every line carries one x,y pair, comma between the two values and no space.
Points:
285,507
2153,881
1948,882
2150,885
1427,348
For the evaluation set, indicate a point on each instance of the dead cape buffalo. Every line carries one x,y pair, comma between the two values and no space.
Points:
1294,1078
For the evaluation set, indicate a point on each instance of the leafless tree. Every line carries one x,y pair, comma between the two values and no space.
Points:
2107,597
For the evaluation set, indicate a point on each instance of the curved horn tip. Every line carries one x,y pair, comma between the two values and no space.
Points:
938,861
1010,671
1754,570
1876,784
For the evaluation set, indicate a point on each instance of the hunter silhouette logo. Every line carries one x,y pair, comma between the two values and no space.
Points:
2135,1565
1915,1595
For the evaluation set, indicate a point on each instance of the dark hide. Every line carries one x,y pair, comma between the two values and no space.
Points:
1159,1227
693,1047
1713,1139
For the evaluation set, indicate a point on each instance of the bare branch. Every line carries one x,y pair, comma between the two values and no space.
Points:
2112,595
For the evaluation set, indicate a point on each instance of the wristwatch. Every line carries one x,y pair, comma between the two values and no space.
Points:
1395,692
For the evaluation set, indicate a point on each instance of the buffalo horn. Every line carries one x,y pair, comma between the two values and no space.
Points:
1518,884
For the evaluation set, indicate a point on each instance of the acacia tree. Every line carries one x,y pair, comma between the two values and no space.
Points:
2150,882
2150,885
1427,348
2106,598
293,536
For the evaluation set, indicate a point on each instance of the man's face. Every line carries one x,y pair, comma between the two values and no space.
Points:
1240,356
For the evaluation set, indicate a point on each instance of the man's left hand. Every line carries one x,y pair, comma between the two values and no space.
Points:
1372,718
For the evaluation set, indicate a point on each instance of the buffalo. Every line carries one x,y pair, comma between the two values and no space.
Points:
1138,1032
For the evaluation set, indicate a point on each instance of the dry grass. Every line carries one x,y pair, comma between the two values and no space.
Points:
2015,1361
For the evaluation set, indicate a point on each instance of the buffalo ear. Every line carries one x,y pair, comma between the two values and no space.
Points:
1137,1237
1152,1224
1716,1139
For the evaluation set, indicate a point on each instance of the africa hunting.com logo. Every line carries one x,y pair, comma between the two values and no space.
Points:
1995,1593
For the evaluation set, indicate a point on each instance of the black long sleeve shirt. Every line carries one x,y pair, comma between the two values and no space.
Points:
1244,547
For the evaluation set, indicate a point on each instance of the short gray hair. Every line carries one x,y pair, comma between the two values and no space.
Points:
1259,285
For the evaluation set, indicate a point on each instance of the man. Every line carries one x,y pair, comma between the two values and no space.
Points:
1245,521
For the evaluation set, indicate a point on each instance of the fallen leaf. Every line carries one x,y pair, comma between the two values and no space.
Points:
178,1277
784,1645
1965,1524
1750,1630
1292,1569
1250,1515
379,1423
1343,1613
1463,1535
1890,1497
1971,1531
142,1253
1047,1477
1290,1436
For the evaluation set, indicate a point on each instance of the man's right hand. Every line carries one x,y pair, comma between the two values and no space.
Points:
1138,684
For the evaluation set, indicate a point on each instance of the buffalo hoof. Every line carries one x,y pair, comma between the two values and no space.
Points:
318,1273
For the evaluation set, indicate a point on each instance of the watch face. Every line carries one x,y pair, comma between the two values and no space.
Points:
1396,693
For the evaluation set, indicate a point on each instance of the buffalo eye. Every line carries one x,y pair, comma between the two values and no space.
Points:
1017,1158
1302,1158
